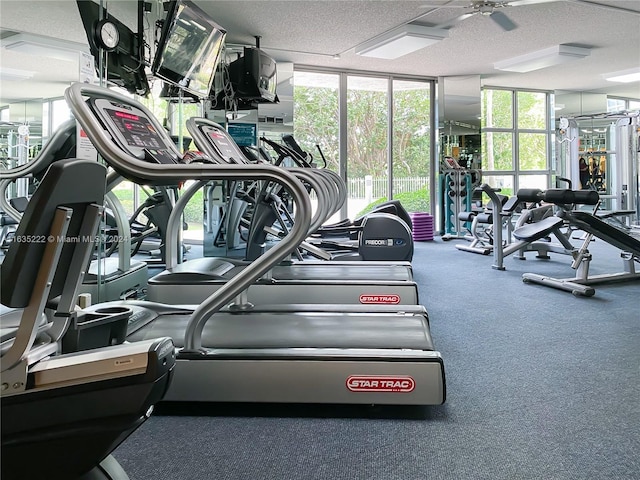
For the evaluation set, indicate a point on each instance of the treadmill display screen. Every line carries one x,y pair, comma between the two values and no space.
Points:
244,134
136,130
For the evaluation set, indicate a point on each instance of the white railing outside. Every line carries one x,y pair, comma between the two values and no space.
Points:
371,188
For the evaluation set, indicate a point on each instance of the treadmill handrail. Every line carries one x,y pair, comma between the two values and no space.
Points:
36,165
195,125
44,158
123,162
172,253
322,193
341,187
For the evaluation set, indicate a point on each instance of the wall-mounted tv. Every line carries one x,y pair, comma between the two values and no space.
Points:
246,82
254,76
189,48
125,66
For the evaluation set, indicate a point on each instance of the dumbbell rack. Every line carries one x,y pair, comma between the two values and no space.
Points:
456,191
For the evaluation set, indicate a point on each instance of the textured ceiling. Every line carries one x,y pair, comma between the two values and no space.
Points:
336,27
325,28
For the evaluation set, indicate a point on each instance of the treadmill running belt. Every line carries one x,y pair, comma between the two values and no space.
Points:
343,273
247,330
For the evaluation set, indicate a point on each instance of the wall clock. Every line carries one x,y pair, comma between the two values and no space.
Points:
107,35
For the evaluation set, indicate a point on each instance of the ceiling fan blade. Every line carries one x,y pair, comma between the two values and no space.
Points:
518,3
429,5
455,21
504,21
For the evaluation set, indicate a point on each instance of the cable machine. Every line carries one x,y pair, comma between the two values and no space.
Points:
609,144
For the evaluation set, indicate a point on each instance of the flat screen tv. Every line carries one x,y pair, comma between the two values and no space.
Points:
246,82
254,76
125,65
189,48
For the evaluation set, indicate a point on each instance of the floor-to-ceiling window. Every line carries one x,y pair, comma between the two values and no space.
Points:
316,114
411,143
617,104
498,166
516,139
367,141
375,131
532,142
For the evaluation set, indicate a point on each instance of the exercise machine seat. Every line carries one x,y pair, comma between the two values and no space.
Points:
63,415
535,231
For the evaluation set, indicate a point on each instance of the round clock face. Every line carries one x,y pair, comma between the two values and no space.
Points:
564,123
108,35
23,130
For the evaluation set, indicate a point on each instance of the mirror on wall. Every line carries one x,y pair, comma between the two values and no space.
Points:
598,154
595,147
21,135
574,104
459,111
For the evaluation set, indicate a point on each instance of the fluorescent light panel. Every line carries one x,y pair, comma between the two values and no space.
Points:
44,46
15,74
401,41
624,76
548,57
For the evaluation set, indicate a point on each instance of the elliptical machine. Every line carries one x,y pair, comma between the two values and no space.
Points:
383,234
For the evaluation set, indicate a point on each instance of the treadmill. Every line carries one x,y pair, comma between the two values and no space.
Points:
340,282
342,354
391,242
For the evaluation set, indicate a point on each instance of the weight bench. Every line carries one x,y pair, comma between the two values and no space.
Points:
593,226
620,218
484,245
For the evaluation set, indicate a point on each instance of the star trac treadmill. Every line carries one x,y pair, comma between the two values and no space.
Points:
343,354
347,282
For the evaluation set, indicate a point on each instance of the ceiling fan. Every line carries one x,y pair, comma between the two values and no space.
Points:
491,9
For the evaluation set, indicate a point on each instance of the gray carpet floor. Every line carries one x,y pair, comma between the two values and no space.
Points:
540,385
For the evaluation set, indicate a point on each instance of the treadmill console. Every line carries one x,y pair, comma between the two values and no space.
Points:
224,144
133,131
